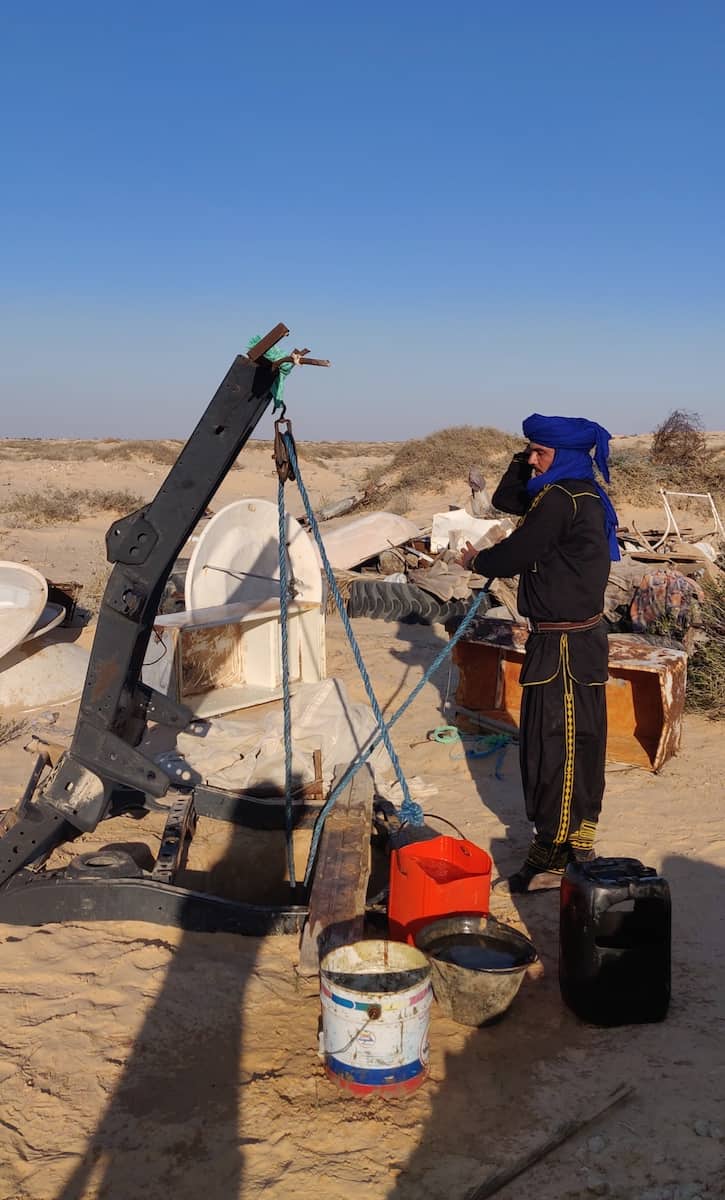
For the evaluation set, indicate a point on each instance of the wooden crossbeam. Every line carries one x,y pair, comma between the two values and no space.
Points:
339,886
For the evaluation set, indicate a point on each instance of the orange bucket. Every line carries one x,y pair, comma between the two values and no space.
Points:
437,878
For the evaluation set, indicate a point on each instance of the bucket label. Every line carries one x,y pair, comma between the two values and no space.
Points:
389,1048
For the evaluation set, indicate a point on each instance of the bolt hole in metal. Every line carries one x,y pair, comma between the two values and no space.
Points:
69,786
219,429
101,860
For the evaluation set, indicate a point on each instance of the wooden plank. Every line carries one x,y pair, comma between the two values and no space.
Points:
339,885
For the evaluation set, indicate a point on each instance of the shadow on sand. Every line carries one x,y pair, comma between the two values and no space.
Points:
502,1089
174,1124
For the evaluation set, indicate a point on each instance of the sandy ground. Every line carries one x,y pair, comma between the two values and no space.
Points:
140,1060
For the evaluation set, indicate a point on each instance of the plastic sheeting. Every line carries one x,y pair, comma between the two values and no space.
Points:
248,755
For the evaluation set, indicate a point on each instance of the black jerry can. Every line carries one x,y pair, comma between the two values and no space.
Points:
615,941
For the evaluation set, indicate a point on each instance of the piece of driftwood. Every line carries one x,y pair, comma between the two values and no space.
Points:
494,1183
339,886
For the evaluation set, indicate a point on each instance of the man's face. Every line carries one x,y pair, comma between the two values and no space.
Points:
539,457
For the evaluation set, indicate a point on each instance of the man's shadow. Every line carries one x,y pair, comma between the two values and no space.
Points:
173,1126
494,1070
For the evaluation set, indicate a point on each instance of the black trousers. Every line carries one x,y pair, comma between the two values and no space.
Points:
563,740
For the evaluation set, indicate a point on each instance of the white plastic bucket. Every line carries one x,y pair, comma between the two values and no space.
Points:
376,999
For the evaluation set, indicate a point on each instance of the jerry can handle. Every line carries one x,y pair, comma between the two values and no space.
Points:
649,888
615,895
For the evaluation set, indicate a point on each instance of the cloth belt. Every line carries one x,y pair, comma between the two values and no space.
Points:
565,626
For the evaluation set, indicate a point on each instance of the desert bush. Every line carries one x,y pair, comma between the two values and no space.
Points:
680,441
92,591
98,450
706,668
9,730
399,502
48,450
165,452
429,463
636,478
54,505
322,453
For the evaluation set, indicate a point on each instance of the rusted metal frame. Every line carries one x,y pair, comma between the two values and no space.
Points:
32,837
267,342
115,707
51,897
178,832
239,808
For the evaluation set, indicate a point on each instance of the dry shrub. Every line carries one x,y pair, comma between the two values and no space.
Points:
706,669
399,502
637,479
54,505
92,591
165,452
45,450
634,478
91,450
680,441
9,730
322,453
430,463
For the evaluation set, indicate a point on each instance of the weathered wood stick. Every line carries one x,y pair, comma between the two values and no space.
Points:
495,1182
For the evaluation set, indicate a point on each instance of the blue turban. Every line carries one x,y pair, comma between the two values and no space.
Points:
573,439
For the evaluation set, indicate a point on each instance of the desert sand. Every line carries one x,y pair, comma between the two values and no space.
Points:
142,1061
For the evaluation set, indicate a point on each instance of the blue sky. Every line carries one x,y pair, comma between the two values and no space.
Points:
475,210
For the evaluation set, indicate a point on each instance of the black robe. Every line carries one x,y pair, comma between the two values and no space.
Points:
561,553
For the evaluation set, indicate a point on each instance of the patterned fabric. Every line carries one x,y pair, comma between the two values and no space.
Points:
666,598
562,747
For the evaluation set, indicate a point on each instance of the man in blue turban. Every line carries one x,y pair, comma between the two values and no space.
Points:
561,552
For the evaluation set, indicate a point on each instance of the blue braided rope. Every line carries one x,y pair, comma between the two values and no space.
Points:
410,811
283,615
355,767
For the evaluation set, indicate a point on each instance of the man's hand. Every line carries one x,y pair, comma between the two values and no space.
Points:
468,553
